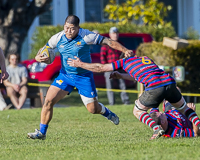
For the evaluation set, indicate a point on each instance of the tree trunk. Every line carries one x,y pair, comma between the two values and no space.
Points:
16,16
11,38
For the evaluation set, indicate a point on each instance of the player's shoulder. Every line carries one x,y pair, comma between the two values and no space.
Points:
21,66
55,39
84,32
59,34
8,68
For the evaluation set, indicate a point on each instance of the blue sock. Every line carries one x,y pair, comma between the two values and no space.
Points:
106,112
43,128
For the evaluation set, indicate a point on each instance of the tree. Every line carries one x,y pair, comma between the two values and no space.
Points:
150,12
16,16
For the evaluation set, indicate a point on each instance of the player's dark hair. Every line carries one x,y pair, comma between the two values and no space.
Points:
154,116
13,53
72,19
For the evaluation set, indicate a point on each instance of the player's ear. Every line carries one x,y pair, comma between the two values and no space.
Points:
162,121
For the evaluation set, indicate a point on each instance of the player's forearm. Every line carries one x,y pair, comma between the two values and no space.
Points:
23,82
94,67
127,77
114,44
7,83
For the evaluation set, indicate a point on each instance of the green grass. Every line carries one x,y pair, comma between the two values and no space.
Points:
74,99
75,134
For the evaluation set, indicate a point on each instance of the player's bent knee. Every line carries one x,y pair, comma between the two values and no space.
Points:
10,91
139,106
94,107
48,103
91,104
138,109
25,90
182,107
87,100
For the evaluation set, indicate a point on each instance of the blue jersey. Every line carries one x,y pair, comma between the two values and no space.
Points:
78,46
145,71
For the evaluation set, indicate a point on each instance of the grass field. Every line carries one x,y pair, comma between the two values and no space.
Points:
75,134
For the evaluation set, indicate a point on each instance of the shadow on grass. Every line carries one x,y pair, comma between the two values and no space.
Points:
74,99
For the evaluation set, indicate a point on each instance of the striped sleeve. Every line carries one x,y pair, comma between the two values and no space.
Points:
90,37
118,64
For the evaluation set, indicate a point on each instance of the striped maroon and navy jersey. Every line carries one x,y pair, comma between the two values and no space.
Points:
145,71
178,124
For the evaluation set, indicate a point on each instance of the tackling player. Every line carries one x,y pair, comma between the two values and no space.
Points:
158,86
74,41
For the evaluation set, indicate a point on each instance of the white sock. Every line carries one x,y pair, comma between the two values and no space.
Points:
103,109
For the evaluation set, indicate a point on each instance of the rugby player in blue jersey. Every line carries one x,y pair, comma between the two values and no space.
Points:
74,41
158,86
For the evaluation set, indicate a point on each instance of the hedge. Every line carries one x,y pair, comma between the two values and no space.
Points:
189,57
157,33
43,33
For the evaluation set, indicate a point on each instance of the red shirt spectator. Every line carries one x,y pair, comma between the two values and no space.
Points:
109,55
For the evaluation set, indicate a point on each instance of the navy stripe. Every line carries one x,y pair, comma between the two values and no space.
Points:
99,39
157,86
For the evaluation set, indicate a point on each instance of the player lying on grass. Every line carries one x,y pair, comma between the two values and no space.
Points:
3,74
158,86
74,41
174,122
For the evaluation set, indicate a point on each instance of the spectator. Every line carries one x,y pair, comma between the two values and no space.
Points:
109,55
16,82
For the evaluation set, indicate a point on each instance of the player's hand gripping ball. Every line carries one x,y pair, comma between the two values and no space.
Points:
46,51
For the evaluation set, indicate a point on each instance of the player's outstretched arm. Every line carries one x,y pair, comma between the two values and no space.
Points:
4,75
116,45
117,75
94,67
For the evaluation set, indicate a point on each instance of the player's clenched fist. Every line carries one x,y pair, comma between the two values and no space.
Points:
115,75
129,53
74,62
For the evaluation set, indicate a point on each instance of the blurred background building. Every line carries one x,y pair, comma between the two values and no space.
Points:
185,13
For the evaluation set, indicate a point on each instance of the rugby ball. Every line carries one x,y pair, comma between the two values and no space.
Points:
47,51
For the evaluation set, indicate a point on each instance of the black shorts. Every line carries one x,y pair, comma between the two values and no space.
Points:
152,98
